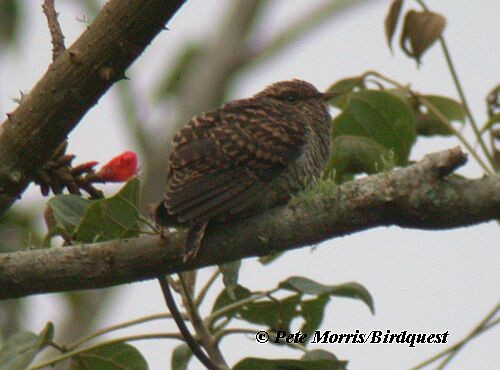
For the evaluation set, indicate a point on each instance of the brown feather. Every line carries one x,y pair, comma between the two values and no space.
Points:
248,155
215,165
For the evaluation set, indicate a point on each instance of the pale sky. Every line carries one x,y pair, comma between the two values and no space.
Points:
421,281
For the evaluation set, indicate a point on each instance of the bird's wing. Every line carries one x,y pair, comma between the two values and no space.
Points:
224,159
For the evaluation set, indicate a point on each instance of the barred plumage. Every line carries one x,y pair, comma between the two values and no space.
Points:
247,156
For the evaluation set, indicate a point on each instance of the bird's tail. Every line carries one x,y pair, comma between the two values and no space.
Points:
195,233
195,236
163,218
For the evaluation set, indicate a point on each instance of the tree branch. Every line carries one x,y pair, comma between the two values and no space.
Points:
56,33
418,196
73,83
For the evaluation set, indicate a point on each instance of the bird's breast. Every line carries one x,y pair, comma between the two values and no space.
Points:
305,169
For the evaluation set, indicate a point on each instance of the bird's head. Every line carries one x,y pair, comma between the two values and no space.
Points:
293,92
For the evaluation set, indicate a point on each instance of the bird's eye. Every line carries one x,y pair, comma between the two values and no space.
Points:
290,98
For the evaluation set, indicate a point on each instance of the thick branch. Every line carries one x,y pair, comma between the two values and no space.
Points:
418,196
72,85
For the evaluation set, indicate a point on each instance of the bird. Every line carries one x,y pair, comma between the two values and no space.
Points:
248,156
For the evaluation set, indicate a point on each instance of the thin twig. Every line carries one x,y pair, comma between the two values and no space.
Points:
55,28
480,328
233,306
461,93
206,338
222,333
457,133
106,343
56,346
204,290
190,341
122,325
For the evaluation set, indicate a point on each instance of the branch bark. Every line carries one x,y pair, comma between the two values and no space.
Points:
56,33
418,196
73,83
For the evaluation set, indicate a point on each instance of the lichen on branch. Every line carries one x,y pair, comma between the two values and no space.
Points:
422,195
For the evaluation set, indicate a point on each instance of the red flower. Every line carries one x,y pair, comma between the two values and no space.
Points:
120,168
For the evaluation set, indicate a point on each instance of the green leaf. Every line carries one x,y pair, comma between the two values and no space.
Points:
420,31
450,108
224,299
312,312
275,314
68,211
117,356
230,272
18,230
251,363
19,351
304,285
429,124
180,357
391,20
494,119
112,218
10,16
278,314
381,116
22,347
46,336
343,88
350,290
356,154
319,354
405,95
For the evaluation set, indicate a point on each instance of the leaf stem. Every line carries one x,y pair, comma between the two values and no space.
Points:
436,112
122,325
233,306
61,349
106,343
222,333
205,337
461,93
457,133
204,290
386,79
149,223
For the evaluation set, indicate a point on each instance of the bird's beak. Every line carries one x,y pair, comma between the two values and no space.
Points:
329,95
